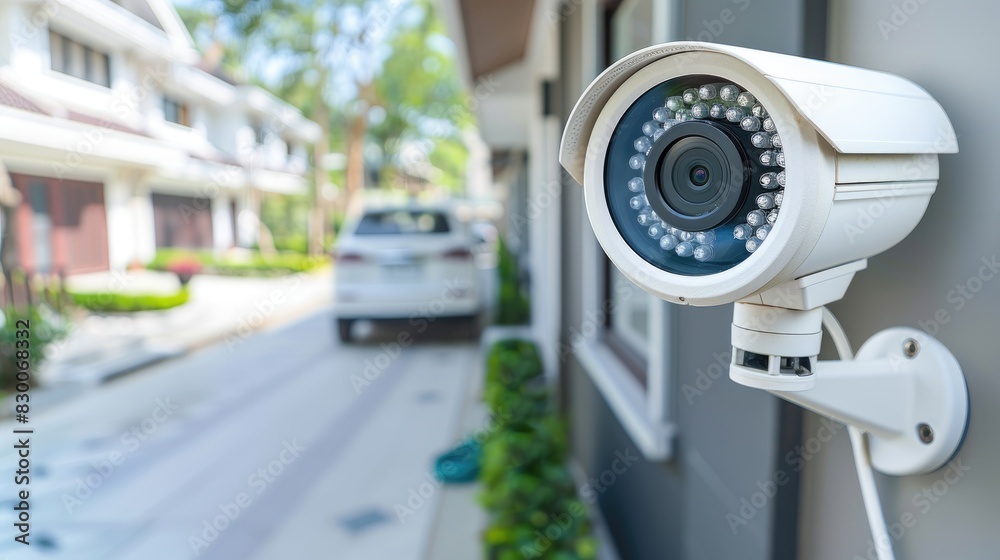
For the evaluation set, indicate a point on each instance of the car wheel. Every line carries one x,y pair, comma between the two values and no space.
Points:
344,329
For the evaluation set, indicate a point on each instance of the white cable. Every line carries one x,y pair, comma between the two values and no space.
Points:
862,461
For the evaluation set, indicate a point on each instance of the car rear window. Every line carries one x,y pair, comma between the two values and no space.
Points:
402,222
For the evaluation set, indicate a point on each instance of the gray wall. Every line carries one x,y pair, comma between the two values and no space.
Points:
773,25
727,445
949,48
728,436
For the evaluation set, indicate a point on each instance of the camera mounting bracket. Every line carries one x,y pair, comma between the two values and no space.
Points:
904,388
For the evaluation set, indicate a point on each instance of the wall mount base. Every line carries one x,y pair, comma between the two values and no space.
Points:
905,390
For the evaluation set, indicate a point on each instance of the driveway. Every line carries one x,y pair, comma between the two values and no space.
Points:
289,445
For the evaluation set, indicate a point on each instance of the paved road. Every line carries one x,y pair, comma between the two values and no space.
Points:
278,449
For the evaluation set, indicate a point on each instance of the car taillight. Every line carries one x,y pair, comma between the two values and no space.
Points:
349,258
460,253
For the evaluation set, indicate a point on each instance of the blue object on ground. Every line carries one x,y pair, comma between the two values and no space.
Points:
460,464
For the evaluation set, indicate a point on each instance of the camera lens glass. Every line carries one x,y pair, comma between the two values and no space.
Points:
694,175
699,176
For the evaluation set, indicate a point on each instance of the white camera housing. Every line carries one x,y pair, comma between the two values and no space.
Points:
858,152
861,161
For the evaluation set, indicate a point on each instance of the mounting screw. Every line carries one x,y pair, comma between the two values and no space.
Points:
925,432
910,348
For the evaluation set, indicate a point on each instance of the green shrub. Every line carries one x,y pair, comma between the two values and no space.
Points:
255,264
44,328
513,307
527,487
515,364
293,243
118,302
287,219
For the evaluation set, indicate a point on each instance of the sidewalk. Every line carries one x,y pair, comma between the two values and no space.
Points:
230,309
460,520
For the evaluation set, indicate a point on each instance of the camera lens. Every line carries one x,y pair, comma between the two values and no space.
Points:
699,175
695,176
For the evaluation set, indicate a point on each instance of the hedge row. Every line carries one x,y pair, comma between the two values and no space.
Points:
114,302
254,264
528,490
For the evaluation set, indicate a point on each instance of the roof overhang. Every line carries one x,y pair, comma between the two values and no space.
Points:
496,33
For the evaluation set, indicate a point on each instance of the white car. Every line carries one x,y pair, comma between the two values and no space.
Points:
407,262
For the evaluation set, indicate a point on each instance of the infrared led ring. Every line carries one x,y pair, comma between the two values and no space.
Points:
696,167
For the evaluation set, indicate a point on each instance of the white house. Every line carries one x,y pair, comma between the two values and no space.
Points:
120,143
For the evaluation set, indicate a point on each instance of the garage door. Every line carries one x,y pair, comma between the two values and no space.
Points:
182,221
61,225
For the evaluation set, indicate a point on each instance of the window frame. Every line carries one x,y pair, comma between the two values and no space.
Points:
626,8
181,108
644,407
63,50
639,390
631,348
261,133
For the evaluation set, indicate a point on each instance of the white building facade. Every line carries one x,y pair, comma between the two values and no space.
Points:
120,143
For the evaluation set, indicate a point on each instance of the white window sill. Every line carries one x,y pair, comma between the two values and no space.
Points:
74,81
627,399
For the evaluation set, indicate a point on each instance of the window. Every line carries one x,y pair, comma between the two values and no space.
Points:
631,28
630,361
176,111
78,60
402,222
628,323
260,132
629,356
41,224
182,221
628,320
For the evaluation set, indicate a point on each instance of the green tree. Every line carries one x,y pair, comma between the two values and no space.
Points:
317,55
368,72
425,103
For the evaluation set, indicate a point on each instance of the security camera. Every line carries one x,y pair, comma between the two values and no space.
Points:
717,174
713,173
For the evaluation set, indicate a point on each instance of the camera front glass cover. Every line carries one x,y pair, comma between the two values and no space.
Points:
694,175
